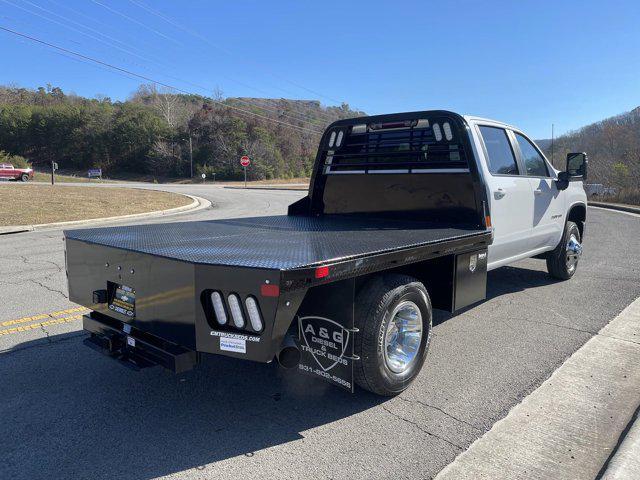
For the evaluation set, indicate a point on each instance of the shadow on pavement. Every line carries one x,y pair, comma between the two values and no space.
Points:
68,411
502,281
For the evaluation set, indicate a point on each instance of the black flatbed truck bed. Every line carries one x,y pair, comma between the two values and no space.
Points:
279,242
151,288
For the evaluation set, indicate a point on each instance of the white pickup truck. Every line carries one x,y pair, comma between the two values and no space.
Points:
535,209
405,212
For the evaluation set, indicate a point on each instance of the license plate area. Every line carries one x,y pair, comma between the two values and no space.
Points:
121,299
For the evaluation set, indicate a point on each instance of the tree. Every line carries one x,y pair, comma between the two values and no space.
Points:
160,131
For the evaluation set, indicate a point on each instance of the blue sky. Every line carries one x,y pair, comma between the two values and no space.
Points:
530,63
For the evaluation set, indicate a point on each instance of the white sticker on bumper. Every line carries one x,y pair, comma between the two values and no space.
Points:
237,345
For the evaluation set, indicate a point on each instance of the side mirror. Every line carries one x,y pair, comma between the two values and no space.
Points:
563,181
577,165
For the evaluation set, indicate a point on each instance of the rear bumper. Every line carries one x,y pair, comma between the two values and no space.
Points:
134,348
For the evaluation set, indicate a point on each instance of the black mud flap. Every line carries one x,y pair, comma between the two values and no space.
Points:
326,333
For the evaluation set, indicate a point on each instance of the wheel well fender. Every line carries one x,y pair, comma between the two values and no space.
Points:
578,215
436,274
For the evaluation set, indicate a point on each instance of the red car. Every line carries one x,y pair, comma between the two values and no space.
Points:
8,171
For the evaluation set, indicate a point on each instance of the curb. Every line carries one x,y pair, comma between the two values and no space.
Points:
197,203
275,187
569,426
615,206
624,462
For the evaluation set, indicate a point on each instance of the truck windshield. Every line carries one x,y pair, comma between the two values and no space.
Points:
422,147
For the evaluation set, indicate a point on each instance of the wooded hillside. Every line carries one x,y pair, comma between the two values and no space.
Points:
613,146
156,132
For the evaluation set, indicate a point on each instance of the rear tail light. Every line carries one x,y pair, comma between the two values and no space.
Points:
218,308
322,272
229,313
254,313
236,311
269,290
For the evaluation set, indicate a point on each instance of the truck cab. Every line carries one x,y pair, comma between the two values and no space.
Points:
530,201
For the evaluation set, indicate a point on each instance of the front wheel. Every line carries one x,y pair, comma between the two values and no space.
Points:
394,317
24,177
563,261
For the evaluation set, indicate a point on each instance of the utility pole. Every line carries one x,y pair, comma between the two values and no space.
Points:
191,153
53,169
552,159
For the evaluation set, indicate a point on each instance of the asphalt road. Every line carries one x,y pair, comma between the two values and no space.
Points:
68,412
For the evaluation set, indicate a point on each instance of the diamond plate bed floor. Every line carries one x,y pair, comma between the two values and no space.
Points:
277,242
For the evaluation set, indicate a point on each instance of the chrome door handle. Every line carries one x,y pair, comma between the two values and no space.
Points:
537,191
499,193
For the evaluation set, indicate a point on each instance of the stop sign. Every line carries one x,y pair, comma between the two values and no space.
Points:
244,161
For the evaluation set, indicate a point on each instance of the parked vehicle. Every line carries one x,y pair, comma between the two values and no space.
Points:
598,190
8,171
405,213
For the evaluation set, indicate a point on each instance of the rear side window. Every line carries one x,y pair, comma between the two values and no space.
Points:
501,158
533,161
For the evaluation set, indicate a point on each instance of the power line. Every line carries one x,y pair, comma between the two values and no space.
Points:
148,79
321,114
228,52
70,27
88,17
301,116
136,22
275,110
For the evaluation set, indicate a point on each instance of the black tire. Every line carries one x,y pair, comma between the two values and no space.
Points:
375,303
557,264
24,177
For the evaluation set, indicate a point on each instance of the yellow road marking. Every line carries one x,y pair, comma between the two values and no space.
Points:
41,316
35,326
59,316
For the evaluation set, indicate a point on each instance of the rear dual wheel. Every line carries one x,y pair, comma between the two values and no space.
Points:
394,319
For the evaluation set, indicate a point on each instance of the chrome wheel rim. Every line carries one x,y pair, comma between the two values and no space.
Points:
574,251
402,337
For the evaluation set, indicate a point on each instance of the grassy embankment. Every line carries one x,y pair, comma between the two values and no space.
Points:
627,196
27,204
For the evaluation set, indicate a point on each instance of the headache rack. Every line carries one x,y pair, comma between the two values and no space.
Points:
411,146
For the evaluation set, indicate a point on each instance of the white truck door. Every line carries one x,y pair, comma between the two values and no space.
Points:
510,197
548,208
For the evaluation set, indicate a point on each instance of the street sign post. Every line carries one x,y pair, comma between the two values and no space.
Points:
54,167
204,175
94,173
245,161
